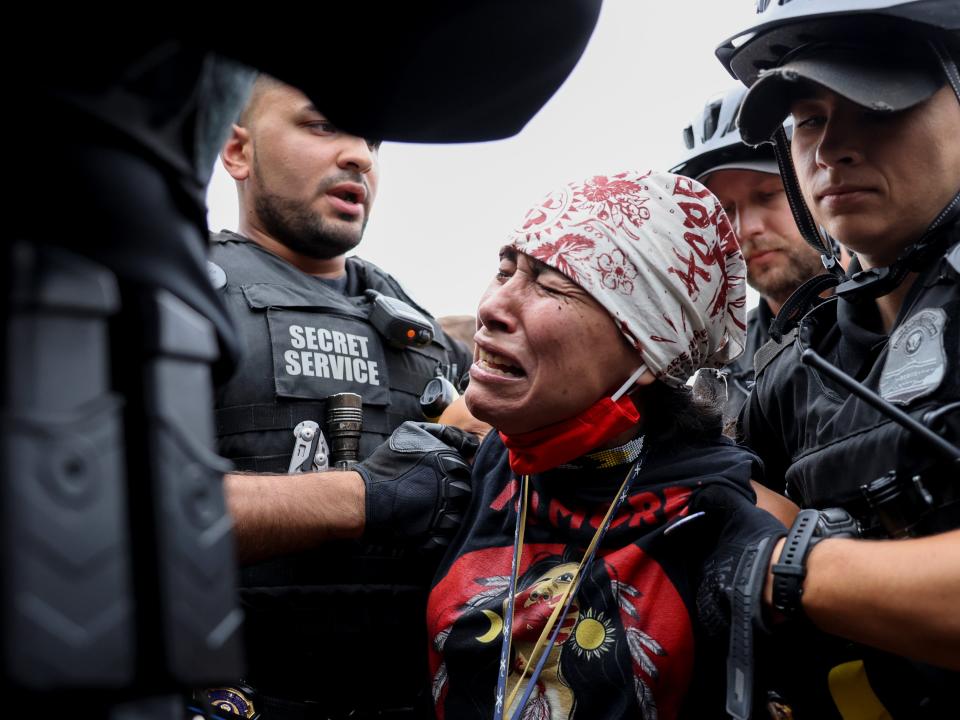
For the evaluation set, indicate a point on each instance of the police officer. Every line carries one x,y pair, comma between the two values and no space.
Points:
112,514
747,182
874,162
322,625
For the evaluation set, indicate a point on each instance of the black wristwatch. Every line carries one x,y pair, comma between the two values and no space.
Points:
791,567
809,528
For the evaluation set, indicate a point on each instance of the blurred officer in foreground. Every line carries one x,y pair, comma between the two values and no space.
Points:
874,94
306,316
117,587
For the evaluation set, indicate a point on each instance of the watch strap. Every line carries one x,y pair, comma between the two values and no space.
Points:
790,568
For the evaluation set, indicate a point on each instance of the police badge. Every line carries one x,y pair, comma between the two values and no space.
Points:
916,361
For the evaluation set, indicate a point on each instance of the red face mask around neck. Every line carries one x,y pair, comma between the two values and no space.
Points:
547,447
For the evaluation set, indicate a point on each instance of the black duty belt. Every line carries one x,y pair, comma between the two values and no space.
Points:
286,416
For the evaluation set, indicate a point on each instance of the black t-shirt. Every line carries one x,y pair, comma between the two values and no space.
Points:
631,641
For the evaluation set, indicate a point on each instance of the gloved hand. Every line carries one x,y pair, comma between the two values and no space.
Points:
730,594
744,536
418,484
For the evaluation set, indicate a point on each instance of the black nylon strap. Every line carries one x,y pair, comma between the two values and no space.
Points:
801,213
876,282
765,355
790,569
799,303
747,585
410,381
947,64
258,418
872,283
270,463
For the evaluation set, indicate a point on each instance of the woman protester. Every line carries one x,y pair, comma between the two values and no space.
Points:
573,586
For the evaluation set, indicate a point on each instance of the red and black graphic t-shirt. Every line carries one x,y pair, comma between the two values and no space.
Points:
629,646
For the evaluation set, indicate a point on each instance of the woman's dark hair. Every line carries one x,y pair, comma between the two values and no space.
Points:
671,414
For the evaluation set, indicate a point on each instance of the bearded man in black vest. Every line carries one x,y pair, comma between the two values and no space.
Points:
316,618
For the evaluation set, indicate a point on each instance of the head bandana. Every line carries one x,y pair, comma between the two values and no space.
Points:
658,252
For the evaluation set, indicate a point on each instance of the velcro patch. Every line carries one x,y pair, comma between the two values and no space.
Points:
316,355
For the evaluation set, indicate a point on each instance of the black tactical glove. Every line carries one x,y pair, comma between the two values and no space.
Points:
418,484
730,595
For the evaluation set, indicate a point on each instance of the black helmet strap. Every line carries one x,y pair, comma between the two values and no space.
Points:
801,213
876,282
947,64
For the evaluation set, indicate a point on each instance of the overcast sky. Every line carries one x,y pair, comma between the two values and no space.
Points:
442,211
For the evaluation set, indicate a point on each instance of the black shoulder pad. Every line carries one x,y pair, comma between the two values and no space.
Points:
771,349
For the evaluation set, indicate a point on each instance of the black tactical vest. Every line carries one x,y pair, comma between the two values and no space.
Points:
304,341
319,622
819,444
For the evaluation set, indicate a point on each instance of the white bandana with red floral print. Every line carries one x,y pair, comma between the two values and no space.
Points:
658,252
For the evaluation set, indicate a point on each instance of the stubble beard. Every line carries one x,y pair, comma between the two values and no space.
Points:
296,225
779,283
303,230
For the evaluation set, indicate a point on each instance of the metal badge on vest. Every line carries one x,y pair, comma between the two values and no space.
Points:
916,359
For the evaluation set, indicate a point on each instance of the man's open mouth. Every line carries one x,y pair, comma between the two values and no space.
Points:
498,365
349,192
346,195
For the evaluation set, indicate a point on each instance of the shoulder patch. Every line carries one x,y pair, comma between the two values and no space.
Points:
771,349
218,278
916,359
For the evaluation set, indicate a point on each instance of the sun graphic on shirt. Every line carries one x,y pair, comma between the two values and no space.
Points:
593,635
